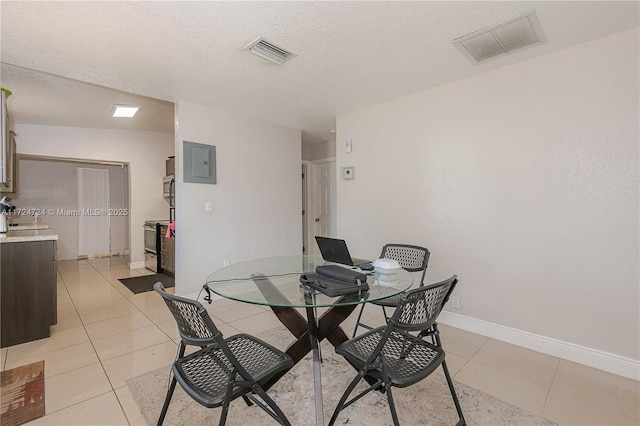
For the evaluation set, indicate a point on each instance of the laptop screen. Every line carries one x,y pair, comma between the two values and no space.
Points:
335,250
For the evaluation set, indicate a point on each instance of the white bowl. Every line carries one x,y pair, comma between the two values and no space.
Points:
385,265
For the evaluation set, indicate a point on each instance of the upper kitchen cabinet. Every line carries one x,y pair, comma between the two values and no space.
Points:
7,151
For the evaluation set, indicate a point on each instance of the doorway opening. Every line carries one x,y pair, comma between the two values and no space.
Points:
56,188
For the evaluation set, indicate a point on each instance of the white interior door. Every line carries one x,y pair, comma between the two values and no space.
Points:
324,205
93,212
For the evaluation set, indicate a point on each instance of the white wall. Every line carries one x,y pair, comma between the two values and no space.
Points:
523,181
52,185
318,150
256,201
145,152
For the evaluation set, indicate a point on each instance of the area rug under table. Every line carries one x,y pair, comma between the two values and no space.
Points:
426,403
22,394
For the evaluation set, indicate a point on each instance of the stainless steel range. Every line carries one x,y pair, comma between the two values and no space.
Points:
152,244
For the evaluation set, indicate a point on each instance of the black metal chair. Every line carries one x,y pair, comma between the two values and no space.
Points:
221,372
191,327
394,357
193,331
411,258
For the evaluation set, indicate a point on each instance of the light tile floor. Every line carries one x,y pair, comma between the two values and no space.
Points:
106,335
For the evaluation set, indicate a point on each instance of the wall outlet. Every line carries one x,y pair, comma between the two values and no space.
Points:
208,206
227,262
455,302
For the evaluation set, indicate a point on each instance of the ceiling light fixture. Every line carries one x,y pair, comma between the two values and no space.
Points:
125,111
269,51
513,34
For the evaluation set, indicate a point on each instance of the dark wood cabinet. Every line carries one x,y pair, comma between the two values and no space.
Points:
28,293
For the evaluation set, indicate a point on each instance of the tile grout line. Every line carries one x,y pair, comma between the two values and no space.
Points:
124,413
546,398
135,306
85,330
113,389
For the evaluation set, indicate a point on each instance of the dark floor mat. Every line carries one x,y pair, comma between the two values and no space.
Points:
146,282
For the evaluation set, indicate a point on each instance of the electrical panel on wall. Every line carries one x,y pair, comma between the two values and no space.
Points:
199,162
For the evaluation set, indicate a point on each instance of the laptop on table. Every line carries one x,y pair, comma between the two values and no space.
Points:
335,250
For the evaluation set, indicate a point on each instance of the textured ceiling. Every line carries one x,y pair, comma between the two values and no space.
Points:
46,99
350,54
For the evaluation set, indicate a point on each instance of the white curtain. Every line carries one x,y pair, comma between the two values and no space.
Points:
93,211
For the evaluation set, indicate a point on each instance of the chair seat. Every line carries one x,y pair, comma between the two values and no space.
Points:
204,374
407,358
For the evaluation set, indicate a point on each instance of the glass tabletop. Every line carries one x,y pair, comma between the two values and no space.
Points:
275,281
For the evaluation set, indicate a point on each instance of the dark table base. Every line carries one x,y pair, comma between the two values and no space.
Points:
328,328
328,324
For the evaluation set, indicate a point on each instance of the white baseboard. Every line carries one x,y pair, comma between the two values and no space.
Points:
596,358
136,265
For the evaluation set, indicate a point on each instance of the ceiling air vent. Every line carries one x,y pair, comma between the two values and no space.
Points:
514,34
269,51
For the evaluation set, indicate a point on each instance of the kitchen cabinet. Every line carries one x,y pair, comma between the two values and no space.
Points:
10,186
171,255
170,166
28,293
8,153
167,251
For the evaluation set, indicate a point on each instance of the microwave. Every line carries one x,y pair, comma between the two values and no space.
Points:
168,187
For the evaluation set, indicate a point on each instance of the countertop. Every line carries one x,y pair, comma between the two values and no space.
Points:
28,235
27,227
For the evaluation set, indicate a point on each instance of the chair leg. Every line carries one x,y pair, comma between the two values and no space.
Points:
345,395
435,336
223,415
392,406
462,422
355,330
271,403
386,317
227,397
167,400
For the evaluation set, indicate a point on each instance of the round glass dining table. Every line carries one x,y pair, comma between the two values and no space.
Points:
275,282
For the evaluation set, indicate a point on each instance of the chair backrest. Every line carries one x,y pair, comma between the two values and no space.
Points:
191,325
411,258
197,328
419,308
